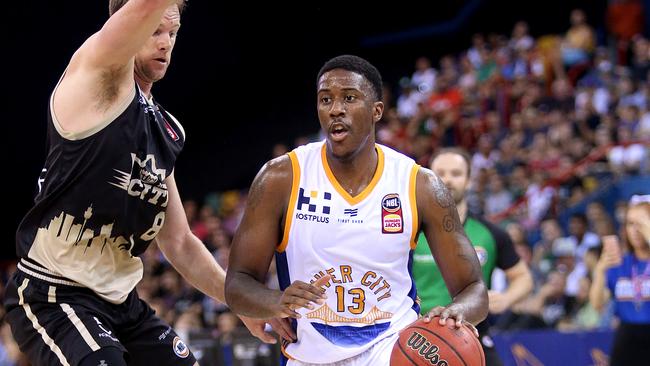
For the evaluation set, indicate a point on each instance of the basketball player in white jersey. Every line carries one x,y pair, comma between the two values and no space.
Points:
342,217
106,191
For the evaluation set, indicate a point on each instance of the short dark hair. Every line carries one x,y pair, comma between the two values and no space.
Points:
357,65
457,151
115,5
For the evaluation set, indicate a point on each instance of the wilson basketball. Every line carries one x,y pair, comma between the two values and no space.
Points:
432,344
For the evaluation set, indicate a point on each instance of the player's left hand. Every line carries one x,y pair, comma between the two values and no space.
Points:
449,312
498,302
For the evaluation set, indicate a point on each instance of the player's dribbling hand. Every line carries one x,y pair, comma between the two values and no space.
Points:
301,295
449,312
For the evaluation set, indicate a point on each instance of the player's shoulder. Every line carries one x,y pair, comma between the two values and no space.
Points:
277,165
312,150
430,187
390,153
276,172
429,180
273,182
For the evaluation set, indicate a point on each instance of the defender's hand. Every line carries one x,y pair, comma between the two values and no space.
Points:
256,327
281,327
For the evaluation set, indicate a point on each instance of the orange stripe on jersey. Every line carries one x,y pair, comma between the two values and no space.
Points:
284,351
414,206
366,191
295,181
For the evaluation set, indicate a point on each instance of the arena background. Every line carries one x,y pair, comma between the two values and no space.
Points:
242,80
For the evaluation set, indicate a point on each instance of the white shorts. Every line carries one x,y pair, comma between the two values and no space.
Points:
377,355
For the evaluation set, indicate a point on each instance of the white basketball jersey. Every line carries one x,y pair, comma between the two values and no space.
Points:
364,242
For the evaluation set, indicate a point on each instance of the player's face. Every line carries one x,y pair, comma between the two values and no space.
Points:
452,169
347,111
152,60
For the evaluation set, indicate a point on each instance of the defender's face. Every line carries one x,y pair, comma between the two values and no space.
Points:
452,169
153,59
347,111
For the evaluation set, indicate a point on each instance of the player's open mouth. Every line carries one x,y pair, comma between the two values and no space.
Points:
161,60
338,132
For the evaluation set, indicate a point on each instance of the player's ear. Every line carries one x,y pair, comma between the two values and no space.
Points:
378,111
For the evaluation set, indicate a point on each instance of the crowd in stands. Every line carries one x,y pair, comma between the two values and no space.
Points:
548,121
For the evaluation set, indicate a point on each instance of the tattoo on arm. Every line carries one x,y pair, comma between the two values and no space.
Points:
448,223
443,197
451,221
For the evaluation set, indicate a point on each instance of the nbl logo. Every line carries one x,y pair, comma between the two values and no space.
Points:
313,204
392,221
391,202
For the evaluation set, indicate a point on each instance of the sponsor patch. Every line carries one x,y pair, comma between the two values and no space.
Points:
313,206
392,221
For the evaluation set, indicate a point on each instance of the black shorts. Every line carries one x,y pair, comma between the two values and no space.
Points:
56,324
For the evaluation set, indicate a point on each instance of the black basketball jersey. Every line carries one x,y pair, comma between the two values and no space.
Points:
102,199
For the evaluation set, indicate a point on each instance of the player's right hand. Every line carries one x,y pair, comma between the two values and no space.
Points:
301,295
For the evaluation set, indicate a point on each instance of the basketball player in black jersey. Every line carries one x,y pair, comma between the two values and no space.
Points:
106,191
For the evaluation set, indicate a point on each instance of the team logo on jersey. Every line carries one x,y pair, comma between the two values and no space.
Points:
145,180
392,221
180,348
482,255
358,297
314,206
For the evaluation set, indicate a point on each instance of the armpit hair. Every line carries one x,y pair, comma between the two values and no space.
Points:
109,89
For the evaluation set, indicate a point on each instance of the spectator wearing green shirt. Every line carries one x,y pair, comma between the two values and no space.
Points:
493,247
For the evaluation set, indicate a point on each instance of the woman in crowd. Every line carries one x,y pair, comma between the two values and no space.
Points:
626,277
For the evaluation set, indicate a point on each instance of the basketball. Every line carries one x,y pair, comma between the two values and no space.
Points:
432,344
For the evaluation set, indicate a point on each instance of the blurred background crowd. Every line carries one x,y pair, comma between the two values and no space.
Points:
554,124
